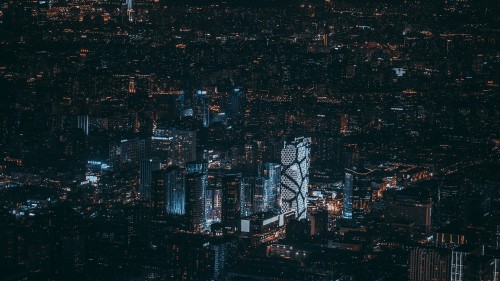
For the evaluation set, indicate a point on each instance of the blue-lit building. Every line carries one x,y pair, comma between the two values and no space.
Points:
271,173
202,110
196,186
197,167
357,193
174,190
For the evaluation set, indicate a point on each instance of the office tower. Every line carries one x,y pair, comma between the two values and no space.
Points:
295,176
201,108
83,123
148,166
169,107
319,221
196,184
357,193
407,209
225,252
183,147
158,196
250,158
451,197
213,199
348,187
132,151
73,144
258,203
429,264
252,196
271,173
459,261
235,103
457,265
231,184
176,147
246,196
173,179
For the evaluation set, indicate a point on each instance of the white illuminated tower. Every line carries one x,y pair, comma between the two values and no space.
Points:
295,176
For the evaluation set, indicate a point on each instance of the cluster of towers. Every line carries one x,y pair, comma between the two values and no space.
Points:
207,198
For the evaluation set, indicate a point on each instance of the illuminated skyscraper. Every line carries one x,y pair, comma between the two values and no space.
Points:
246,196
348,183
148,166
132,151
202,110
176,147
357,193
83,123
252,196
231,184
295,176
213,199
196,185
173,180
271,173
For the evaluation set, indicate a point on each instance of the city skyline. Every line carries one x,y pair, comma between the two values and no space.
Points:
214,140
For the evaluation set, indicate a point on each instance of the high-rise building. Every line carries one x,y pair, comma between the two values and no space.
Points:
235,103
132,151
348,187
173,180
246,196
176,147
319,221
250,158
158,196
295,176
252,196
258,203
271,173
196,184
451,198
231,184
83,123
405,209
202,110
459,260
213,199
429,264
148,166
169,106
357,193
